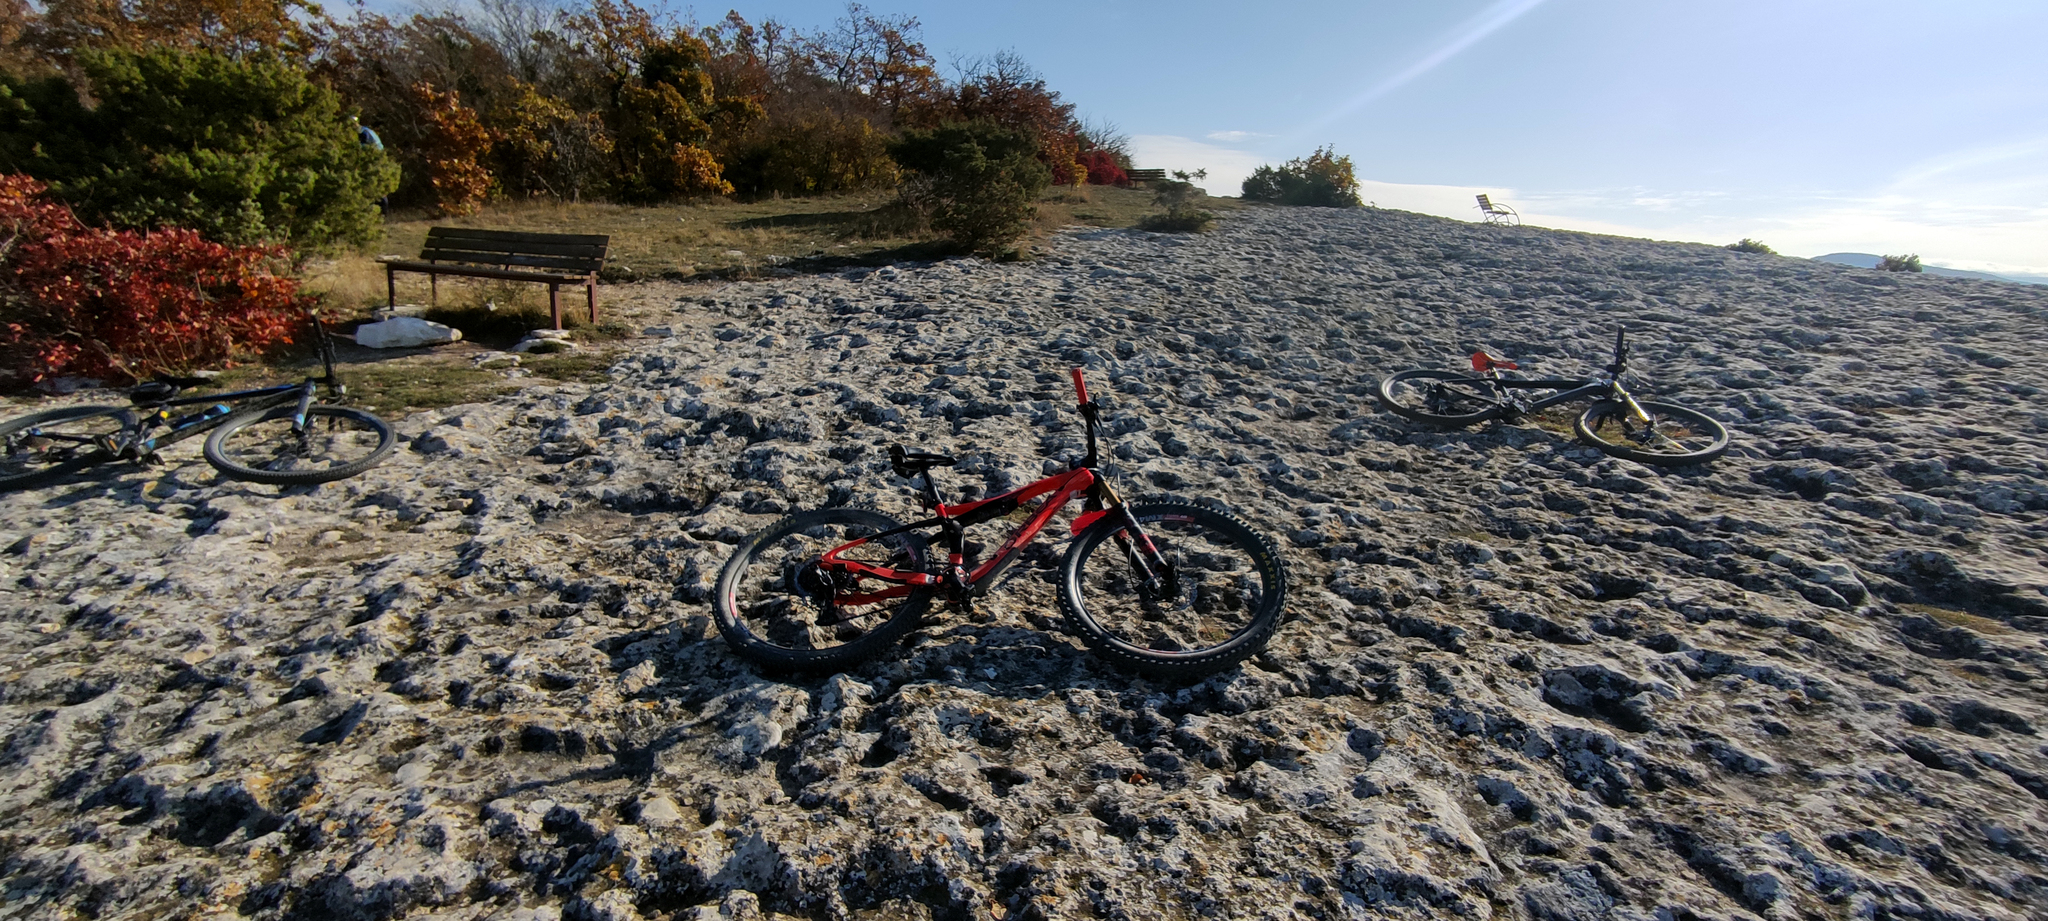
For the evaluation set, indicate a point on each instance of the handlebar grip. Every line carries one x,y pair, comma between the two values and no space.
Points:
1080,386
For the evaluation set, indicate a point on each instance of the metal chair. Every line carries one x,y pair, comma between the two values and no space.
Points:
1498,214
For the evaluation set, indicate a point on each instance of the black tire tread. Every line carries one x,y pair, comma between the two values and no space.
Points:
217,455
10,483
1385,392
1627,452
743,641
1177,666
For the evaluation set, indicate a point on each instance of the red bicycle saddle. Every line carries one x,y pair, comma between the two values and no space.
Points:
1481,361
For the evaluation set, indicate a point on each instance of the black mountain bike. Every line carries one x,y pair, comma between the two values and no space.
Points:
1176,589
1617,423
268,435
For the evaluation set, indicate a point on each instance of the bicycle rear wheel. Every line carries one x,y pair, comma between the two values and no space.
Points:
267,446
41,447
1675,436
1441,397
776,606
1216,602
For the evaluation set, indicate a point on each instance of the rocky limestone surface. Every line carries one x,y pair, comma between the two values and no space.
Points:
1520,679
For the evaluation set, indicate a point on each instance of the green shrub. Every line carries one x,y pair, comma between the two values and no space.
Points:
974,182
1747,245
1180,198
1321,179
1906,263
243,151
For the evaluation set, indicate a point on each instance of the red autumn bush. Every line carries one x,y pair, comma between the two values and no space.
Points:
1103,168
120,305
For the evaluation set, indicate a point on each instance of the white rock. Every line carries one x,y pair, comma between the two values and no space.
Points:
405,332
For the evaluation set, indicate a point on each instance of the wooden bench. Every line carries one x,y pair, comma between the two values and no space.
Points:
1498,214
1145,175
552,259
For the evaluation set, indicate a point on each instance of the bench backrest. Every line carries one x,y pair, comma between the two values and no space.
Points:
1485,204
580,253
1145,175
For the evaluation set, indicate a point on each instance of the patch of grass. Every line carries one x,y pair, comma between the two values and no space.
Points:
713,238
585,367
1955,618
395,390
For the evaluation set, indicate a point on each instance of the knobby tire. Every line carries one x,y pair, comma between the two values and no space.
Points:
773,609
263,446
28,460
1230,587
1445,398
1676,436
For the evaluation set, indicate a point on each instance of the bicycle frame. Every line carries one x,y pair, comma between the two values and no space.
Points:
1082,482
193,423
1602,389
1605,387
181,427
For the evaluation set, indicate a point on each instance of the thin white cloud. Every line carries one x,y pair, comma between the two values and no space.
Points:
1227,166
1978,166
1489,21
1235,137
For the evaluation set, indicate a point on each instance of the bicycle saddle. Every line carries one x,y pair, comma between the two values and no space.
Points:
163,388
152,392
913,463
1483,361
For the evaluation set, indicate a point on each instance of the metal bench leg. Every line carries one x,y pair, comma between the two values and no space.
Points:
434,289
555,303
590,291
390,287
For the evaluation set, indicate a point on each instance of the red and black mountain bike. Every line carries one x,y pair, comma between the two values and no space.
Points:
1175,589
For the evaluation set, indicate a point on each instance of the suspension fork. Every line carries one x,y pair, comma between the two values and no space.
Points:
1132,539
1627,399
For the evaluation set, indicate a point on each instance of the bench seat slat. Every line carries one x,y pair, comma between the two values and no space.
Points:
514,236
445,268
579,250
561,263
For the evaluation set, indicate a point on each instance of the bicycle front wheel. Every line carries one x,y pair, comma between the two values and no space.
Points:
1675,436
38,448
268,446
1441,397
777,606
1214,598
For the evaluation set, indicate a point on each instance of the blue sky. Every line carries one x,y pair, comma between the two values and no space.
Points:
1815,126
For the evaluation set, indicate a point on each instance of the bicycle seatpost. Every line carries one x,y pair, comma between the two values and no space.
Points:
1090,415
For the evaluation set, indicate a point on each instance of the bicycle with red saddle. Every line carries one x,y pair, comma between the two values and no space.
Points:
1171,588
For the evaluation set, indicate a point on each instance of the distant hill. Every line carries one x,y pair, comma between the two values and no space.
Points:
1868,261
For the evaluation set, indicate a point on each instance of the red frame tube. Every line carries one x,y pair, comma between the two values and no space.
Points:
1065,486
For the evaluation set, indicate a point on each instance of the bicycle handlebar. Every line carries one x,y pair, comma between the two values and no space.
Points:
1620,352
1080,386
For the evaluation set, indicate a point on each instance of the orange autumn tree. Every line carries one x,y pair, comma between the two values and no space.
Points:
454,144
661,103
235,28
